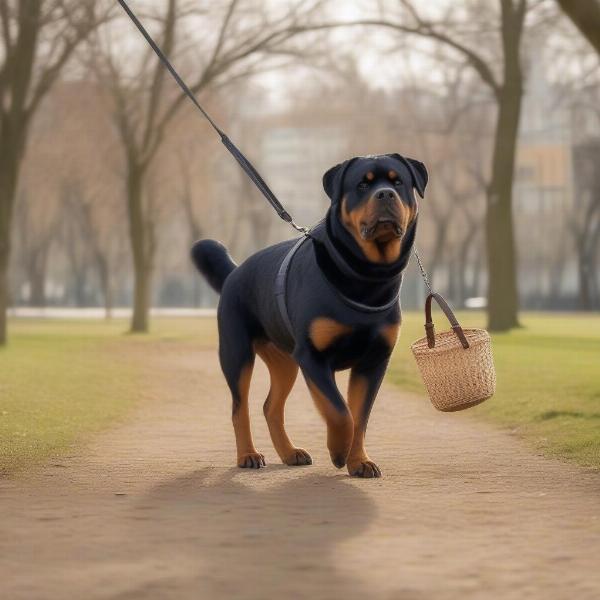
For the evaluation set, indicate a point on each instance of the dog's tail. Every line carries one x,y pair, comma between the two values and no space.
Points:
213,261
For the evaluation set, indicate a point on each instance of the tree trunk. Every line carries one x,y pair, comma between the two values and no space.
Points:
463,263
105,285
557,271
452,289
502,272
141,301
108,301
11,151
441,233
141,249
4,256
474,289
79,281
593,262
37,280
37,267
584,280
503,297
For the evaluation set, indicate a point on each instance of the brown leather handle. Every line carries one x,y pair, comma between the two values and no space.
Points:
429,327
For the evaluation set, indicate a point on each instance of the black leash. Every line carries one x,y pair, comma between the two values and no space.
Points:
246,165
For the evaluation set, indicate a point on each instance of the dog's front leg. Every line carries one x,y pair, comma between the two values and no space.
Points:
330,403
363,386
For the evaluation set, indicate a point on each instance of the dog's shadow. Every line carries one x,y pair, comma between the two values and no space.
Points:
257,534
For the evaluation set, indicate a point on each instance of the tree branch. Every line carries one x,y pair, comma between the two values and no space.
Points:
425,30
52,70
221,39
158,80
585,15
20,69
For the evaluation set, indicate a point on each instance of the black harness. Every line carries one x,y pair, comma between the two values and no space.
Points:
281,284
281,289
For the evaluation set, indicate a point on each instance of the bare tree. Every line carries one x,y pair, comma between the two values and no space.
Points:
39,37
37,226
145,103
91,237
584,222
76,247
507,91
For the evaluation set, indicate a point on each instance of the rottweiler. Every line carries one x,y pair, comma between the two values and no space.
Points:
325,303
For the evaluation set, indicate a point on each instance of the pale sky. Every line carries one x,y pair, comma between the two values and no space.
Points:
376,51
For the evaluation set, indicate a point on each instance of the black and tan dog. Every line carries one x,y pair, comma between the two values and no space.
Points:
333,305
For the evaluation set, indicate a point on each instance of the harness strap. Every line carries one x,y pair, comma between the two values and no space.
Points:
246,165
281,291
281,284
366,308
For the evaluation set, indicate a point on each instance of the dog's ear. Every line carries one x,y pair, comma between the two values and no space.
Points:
418,172
420,175
333,180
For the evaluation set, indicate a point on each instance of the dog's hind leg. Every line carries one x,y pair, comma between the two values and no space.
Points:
283,370
236,354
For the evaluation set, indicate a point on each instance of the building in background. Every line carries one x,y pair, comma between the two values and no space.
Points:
546,204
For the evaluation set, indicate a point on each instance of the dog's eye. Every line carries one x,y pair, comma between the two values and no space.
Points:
398,182
363,185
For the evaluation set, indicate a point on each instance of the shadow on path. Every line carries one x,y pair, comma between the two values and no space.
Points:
257,534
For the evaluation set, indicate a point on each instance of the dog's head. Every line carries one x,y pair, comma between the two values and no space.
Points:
373,198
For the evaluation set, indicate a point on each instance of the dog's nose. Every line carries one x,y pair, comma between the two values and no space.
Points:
386,194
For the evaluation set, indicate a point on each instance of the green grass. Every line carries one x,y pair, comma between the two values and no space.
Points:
62,380
548,376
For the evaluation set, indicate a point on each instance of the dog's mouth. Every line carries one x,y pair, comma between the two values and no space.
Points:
384,229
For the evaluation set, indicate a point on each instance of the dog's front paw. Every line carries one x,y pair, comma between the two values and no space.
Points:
364,468
251,460
298,457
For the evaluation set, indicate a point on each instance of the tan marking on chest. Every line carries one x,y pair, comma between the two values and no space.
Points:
390,333
324,331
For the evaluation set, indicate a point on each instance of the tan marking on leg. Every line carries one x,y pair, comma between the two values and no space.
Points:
247,455
357,393
283,370
390,334
323,331
339,426
359,462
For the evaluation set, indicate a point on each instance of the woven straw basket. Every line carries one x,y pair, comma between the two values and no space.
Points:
457,366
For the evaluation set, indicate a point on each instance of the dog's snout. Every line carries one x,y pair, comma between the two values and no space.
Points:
386,194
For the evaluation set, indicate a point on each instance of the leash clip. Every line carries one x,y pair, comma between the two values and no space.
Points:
304,230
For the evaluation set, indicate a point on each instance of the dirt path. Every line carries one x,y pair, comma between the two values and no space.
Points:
154,508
